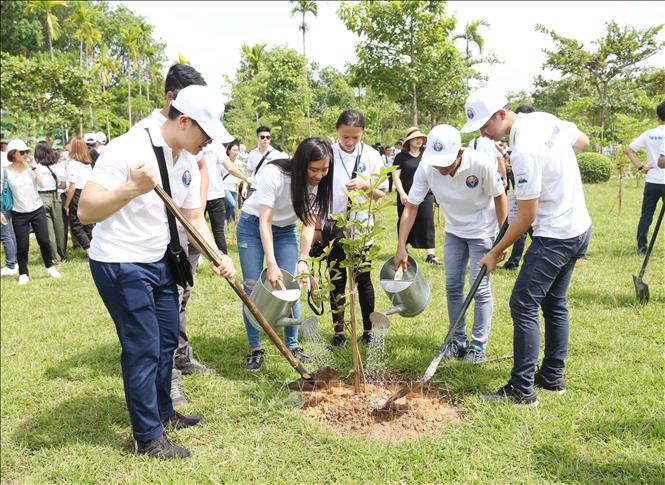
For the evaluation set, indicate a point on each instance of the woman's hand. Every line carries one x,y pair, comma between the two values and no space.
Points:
301,269
401,259
357,184
403,197
274,275
225,268
243,192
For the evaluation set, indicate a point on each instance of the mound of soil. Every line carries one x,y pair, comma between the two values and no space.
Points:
416,415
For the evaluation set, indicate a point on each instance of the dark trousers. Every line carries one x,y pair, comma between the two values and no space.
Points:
216,210
143,302
543,282
22,222
184,292
82,232
652,193
518,249
337,295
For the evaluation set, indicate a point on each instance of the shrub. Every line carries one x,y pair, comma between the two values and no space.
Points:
594,167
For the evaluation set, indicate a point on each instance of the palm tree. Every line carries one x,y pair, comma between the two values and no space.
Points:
47,7
105,66
130,38
253,57
182,59
303,7
472,35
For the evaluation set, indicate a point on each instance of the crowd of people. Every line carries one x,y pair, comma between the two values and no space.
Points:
521,170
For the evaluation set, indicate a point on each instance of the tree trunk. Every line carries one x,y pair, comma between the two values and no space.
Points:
129,100
414,95
307,100
358,374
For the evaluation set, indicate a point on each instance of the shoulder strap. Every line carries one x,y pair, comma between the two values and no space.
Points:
475,143
55,178
166,185
258,167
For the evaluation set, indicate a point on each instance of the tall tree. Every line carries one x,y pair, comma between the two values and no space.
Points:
47,9
131,38
104,67
404,46
616,58
251,59
471,35
303,7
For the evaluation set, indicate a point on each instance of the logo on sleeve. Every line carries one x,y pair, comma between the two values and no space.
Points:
472,181
186,178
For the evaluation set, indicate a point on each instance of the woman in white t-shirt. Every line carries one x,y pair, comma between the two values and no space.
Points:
289,190
28,209
78,172
54,181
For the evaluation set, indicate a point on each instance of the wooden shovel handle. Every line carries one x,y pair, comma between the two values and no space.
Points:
211,255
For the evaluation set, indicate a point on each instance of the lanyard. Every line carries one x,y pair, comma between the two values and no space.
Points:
355,166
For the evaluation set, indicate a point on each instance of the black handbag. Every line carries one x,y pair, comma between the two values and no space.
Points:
175,254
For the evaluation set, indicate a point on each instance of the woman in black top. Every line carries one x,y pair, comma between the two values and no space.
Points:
407,161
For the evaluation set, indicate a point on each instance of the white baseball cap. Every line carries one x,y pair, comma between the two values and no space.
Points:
17,144
204,106
480,106
443,145
100,137
89,138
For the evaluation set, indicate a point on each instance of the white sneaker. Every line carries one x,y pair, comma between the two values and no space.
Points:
23,279
5,271
52,272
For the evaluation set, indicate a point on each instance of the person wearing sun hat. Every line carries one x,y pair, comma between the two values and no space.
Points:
551,199
407,161
470,192
128,253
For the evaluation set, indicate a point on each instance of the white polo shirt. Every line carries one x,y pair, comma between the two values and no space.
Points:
369,163
467,199
214,155
255,157
274,190
545,168
653,141
139,232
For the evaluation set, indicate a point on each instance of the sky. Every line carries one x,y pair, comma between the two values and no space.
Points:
210,34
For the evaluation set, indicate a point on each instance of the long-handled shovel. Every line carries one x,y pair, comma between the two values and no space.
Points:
641,288
406,388
319,379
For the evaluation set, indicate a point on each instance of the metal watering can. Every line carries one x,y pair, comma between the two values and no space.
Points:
409,295
276,305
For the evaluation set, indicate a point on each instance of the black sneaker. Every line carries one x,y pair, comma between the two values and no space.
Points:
254,361
508,393
338,341
189,365
367,339
180,421
161,447
557,385
299,354
510,266
431,259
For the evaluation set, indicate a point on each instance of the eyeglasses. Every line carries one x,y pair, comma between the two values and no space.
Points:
207,139
264,137
24,152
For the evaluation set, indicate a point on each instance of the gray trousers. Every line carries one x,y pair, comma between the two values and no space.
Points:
456,255
57,235
184,293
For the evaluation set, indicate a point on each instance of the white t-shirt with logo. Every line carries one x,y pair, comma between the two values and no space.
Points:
24,190
139,232
78,173
214,155
255,157
545,168
467,199
369,163
653,141
274,190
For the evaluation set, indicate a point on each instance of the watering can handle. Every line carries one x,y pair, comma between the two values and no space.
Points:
212,256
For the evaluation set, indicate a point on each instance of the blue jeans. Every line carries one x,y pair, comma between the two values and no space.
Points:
250,250
652,192
456,255
230,201
8,240
543,282
143,302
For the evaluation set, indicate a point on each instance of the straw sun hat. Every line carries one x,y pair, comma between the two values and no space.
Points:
412,133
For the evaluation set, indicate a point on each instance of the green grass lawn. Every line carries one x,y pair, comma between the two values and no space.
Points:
64,417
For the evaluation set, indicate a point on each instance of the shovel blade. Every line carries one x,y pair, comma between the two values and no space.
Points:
641,289
320,379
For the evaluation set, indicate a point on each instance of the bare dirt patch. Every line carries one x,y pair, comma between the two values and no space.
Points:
416,415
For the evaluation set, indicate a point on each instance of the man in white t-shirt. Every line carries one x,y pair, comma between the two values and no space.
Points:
653,141
470,192
262,154
128,254
550,197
